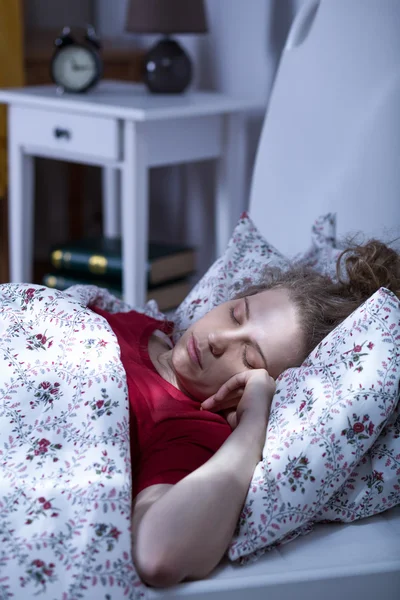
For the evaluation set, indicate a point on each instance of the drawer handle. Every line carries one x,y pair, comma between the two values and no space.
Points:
62,133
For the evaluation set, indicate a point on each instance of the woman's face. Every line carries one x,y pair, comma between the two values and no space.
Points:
255,332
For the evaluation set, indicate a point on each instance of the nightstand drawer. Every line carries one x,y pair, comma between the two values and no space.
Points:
85,135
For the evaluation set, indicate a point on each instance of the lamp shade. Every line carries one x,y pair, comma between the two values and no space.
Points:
166,16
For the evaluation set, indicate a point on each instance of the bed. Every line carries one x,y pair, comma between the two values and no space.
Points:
333,130
360,560
330,156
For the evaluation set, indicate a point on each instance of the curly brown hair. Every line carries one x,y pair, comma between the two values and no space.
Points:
323,303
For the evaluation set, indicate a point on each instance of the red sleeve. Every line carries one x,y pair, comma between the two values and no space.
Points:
179,447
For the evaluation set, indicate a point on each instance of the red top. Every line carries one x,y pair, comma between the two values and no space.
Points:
170,436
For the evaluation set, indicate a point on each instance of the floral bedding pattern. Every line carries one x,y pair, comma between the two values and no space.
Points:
332,450
323,251
65,477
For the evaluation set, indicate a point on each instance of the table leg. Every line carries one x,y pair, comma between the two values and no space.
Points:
231,197
28,170
20,208
134,214
110,204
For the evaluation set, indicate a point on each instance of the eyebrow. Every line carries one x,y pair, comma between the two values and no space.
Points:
255,344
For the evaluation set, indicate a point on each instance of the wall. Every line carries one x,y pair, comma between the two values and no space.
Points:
239,56
49,14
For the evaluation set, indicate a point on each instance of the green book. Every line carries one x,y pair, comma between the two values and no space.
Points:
167,295
103,257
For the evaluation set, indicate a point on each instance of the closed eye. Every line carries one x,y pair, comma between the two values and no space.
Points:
232,314
244,354
245,361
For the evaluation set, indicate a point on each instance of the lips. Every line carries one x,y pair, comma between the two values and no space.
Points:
194,351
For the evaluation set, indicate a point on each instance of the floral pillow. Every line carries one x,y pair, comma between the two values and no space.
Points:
243,262
323,252
326,416
374,484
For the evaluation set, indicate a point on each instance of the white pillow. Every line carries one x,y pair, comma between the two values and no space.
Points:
326,415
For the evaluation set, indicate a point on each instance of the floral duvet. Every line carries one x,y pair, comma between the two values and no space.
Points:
65,477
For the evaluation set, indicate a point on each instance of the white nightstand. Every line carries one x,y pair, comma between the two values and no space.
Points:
125,130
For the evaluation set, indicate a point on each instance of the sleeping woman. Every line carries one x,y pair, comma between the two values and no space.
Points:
199,409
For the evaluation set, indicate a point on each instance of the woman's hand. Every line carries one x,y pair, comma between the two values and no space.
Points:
250,392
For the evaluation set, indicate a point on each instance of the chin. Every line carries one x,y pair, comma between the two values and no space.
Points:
180,366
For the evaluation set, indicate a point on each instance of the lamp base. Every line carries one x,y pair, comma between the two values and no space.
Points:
167,68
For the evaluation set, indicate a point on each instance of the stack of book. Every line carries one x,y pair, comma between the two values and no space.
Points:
98,261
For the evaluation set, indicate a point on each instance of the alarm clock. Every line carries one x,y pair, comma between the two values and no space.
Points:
76,67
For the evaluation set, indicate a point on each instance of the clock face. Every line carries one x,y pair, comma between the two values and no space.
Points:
75,68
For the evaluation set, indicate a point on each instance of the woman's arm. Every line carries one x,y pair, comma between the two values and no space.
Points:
185,530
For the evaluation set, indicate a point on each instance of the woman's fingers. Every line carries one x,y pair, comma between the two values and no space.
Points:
228,395
217,403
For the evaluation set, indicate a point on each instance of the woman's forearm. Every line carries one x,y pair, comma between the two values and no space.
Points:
186,532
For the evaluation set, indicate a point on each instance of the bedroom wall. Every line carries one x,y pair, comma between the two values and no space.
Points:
239,56
49,14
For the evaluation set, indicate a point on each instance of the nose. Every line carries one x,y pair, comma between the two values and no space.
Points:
218,342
